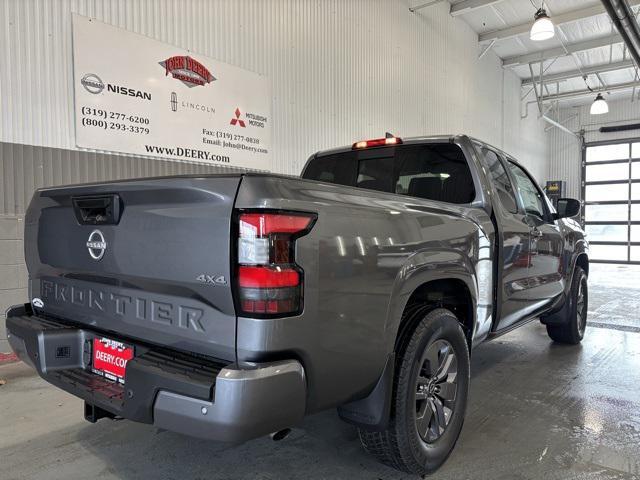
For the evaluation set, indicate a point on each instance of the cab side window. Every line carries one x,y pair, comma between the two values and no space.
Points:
530,195
498,176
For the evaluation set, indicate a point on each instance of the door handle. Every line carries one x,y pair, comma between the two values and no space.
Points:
536,233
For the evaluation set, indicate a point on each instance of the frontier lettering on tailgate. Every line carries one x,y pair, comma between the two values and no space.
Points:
129,306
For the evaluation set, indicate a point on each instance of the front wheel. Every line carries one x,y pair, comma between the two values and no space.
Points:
573,326
429,397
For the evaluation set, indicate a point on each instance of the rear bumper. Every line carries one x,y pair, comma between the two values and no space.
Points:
182,393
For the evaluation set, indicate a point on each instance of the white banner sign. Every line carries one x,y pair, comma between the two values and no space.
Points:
137,95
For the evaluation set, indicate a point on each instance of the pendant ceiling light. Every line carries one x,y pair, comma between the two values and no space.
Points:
542,28
599,106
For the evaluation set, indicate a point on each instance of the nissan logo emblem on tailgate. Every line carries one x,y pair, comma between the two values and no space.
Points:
96,245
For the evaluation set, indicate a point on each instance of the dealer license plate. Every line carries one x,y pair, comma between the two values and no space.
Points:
110,358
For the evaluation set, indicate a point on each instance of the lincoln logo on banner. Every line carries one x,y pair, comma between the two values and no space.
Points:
174,101
188,70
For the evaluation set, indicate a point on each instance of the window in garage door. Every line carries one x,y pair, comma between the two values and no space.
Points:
611,193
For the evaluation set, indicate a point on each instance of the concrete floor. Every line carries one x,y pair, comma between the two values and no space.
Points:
536,410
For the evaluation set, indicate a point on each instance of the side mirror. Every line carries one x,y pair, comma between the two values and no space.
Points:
567,208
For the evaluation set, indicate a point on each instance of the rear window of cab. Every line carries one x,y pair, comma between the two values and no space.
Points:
435,171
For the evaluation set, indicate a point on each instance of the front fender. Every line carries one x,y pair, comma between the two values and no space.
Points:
581,247
576,245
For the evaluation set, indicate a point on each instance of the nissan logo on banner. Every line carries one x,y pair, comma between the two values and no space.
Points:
92,83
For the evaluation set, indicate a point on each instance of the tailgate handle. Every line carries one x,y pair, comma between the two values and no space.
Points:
98,209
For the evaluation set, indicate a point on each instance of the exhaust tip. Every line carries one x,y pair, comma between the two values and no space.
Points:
280,434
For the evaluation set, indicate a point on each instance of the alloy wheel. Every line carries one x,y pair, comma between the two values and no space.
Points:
436,388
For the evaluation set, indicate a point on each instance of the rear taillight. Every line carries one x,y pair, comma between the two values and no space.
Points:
269,282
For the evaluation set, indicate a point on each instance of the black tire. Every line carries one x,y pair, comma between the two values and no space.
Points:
401,445
571,328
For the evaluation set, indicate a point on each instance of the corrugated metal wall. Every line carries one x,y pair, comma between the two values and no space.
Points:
25,168
341,70
524,138
566,150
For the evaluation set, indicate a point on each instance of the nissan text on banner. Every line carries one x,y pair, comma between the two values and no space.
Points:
140,96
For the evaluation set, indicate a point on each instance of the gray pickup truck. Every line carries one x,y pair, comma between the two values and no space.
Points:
228,307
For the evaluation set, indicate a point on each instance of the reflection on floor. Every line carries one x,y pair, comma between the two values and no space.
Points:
614,296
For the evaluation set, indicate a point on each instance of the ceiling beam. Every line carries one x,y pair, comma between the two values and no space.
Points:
558,77
558,19
535,57
468,6
586,93
424,5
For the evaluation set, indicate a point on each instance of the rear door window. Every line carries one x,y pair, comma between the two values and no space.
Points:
431,171
498,176
530,195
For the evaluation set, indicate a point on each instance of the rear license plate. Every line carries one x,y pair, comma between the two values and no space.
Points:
110,358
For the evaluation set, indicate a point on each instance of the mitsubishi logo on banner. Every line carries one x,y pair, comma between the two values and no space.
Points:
237,119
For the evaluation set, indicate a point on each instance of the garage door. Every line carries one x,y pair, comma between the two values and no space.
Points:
611,190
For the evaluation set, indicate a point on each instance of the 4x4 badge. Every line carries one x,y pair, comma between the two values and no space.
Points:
211,279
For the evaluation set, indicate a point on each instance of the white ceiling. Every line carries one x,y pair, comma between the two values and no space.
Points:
503,14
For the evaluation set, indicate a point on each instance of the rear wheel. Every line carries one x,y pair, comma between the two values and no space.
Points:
572,328
429,398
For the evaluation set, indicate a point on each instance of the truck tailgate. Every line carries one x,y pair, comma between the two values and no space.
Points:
143,259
